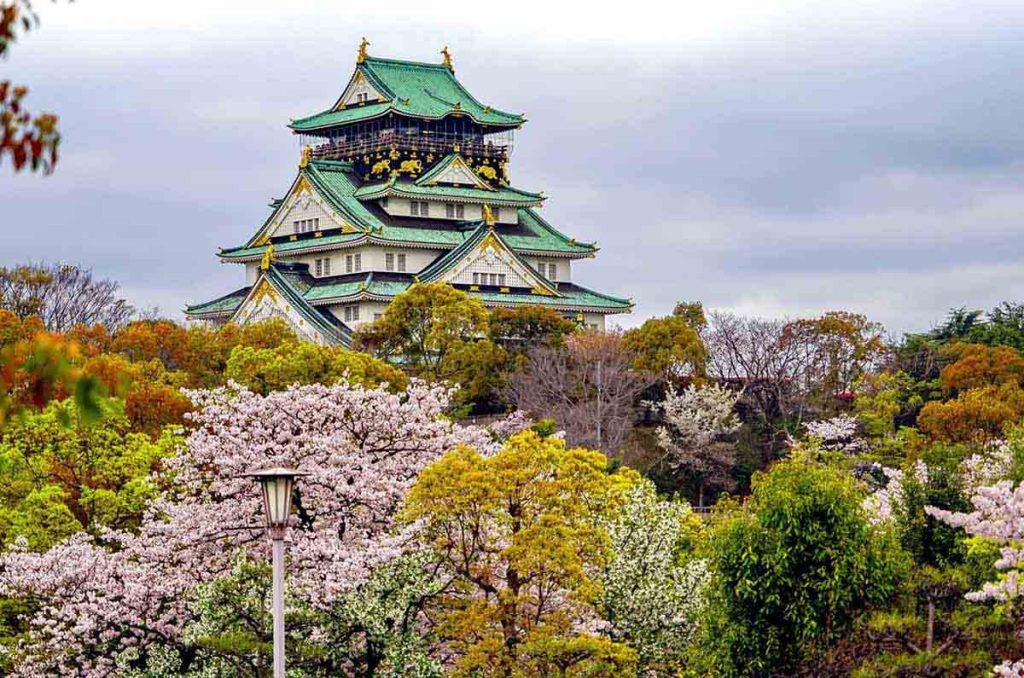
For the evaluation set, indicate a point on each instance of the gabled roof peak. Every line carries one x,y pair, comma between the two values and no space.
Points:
416,89
453,169
363,56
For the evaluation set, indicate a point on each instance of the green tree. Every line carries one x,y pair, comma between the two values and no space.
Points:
439,334
520,534
958,325
62,478
793,568
519,329
272,369
669,347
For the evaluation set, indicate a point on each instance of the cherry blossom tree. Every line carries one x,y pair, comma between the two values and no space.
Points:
131,601
998,515
836,434
694,419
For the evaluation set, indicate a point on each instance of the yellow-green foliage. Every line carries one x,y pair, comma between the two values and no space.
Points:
62,478
667,346
522,532
271,369
439,334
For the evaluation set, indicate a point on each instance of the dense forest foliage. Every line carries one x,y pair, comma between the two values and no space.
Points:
731,496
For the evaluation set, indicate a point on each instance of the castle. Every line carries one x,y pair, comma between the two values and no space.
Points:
404,180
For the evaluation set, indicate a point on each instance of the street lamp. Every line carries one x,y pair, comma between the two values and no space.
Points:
276,484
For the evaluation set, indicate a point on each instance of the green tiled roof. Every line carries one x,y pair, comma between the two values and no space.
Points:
229,303
305,292
294,288
537,235
413,89
293,283
368,285
332,118
451,257
444,263
335,182
504,195
572,296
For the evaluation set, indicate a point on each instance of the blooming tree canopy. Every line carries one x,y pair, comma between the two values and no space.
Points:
651,601
694,419
998,515
838,433
105,606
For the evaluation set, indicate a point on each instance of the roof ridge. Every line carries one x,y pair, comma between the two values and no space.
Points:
191,307
481,234
304,308
603,295
403,62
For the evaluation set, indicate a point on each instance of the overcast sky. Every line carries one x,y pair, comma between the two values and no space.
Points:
763,157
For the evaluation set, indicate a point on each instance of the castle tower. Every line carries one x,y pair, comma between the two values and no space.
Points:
404,179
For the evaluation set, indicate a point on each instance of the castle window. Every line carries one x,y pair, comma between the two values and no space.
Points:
419,208
501,279
353,263
363,97
401,263
323,266
553,271
351,313
389,261
476,278
453,211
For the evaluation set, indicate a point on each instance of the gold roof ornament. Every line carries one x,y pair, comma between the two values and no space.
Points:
361,57
448,59
488,216
307,153
267,254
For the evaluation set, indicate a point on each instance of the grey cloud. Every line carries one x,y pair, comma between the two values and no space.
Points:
799,167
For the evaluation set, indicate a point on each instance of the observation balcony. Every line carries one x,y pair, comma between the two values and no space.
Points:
494,147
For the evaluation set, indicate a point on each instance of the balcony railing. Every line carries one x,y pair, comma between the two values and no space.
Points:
438,143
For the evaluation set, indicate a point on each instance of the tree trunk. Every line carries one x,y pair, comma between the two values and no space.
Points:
700,495
930,639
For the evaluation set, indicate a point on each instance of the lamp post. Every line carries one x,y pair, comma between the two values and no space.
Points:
276,485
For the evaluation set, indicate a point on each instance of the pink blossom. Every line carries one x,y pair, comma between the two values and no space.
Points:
361,450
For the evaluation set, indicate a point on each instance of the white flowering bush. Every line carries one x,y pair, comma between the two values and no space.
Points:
837,434
694,419
652,601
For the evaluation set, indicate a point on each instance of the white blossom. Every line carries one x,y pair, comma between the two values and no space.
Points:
652,602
